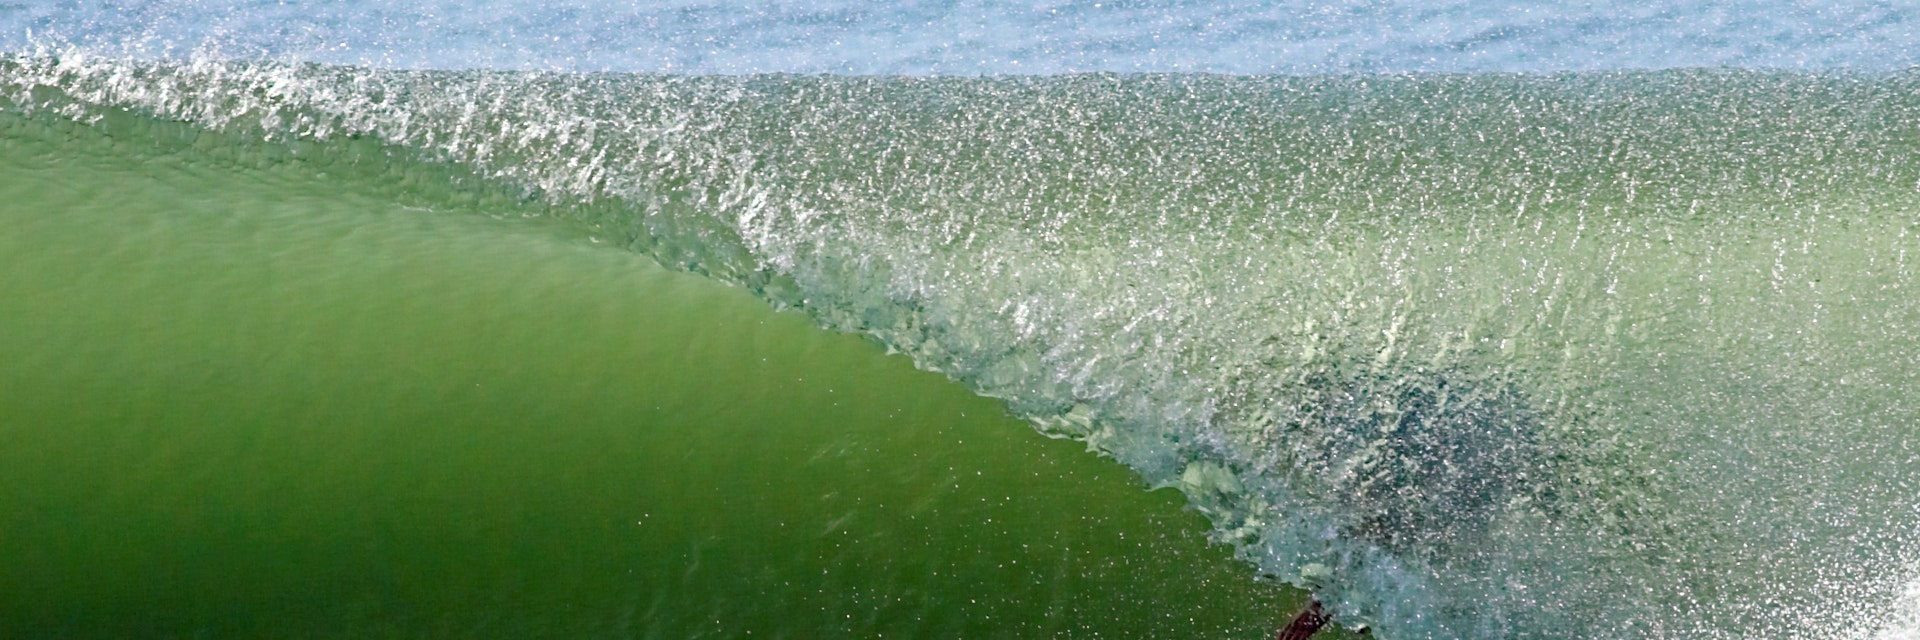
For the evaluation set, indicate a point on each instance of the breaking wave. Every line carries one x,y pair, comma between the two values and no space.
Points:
1469,356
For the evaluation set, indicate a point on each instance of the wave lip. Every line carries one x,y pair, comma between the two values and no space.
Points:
1576,355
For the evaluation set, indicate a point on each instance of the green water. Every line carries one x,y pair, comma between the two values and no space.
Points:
249,399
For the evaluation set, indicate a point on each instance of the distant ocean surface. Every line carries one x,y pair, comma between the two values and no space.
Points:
976,38
1468,321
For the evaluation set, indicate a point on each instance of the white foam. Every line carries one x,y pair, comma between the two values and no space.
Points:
1904,621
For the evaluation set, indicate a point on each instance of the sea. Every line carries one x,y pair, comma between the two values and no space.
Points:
959,319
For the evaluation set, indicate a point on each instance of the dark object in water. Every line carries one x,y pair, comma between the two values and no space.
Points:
1305,624
1422,462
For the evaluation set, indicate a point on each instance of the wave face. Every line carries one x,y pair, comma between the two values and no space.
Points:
1492,356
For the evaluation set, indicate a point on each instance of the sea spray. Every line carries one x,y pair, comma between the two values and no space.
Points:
1579,355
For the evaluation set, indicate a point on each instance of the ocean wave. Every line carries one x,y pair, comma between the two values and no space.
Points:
1469,356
